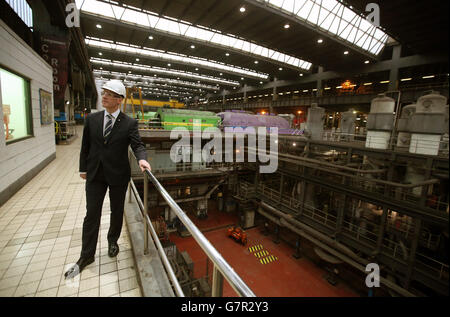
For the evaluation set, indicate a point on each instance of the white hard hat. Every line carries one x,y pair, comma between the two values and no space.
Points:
116,86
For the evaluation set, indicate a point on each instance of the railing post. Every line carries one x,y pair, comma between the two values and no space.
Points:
145,213
129,192
129,183
217,283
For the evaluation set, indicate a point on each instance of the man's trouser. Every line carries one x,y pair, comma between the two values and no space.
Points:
95,194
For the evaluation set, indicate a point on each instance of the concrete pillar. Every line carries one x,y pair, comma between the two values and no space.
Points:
245,94
277,235
274,97
275,94
319,84
297,254
393,75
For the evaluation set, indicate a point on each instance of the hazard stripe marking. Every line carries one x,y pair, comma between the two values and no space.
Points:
261,253
255,248
268,259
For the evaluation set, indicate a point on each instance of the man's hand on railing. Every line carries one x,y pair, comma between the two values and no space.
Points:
144,165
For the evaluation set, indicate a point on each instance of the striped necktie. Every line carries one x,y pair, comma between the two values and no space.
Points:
108,126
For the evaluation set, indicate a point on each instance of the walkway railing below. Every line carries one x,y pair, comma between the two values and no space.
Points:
221,268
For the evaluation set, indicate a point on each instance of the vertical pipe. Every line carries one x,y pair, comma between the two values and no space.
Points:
145,213
129,183
381,230
142,103
217,283
281,187
412,255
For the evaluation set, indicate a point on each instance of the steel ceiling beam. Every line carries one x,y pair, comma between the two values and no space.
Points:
403,62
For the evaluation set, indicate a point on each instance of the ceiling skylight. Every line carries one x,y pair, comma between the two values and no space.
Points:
334,17
149,20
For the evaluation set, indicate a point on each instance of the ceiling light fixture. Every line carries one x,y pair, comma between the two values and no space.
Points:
346,53
320,41
366,62
227,54
280,68
256,62
159,70
287,26
150,37
242,9
192,46
98,26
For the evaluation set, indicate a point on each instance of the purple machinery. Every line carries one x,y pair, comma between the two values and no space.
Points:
243,119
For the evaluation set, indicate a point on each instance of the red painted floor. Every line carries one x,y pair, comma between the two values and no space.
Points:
285,277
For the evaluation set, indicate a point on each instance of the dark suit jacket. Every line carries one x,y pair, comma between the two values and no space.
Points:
111,152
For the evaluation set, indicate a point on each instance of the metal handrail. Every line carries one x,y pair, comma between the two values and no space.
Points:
163,255
221,267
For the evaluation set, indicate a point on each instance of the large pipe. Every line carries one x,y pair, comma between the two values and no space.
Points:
362,267
334,166
393,184
346,168
313,232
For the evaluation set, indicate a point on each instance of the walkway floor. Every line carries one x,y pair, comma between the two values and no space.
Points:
40,237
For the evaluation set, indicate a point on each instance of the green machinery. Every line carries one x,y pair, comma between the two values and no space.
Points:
169,118
151,115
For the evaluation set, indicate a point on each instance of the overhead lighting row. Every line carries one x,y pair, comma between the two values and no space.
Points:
156,85
171,57
164,71
159,88
148,88
155,78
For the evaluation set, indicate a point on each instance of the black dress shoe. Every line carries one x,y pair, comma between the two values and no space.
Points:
113,249
78,267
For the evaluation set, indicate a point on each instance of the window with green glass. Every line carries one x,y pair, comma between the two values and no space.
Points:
16,106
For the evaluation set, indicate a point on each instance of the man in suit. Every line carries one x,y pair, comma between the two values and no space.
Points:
104,164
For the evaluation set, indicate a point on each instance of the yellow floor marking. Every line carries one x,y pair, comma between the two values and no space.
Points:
255,248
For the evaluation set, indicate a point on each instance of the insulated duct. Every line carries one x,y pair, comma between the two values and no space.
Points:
325,243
